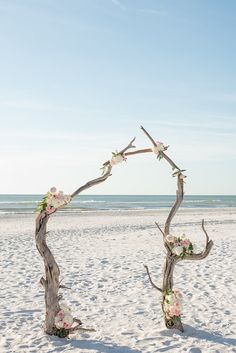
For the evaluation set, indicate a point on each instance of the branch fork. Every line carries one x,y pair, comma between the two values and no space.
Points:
171,258
51,282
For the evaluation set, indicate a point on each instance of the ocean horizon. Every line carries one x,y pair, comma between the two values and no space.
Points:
27,203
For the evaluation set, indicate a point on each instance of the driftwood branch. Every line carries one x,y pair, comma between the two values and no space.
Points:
178,201
167,246
51,281
160,229
171,258
204,230
43,282
63,287
180,183
93,182
79,327
150,279
173,165
122,152
206,250
130,145
149,136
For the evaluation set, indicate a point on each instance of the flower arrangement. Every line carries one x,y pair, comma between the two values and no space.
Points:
181,246
172,304
116,158
64,319
159,149
53,200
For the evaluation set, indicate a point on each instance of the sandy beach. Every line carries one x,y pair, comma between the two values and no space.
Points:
101,257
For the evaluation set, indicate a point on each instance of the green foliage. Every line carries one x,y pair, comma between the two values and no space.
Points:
61,332
190,247
177,171
160,155
167,292
114,154
42,204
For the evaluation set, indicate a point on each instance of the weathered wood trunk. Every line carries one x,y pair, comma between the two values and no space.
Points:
52,273
174,321
51,282
167,285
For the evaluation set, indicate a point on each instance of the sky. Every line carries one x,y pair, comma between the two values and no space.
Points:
79,77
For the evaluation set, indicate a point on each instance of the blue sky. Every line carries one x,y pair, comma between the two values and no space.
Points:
78,78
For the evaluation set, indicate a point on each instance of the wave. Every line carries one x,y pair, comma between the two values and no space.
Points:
18,202
89,201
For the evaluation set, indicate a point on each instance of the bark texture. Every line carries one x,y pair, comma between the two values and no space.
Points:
51,281
172,259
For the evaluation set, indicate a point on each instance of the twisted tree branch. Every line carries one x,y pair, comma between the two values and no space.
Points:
206,251
171,258
178,201
150,279
180,185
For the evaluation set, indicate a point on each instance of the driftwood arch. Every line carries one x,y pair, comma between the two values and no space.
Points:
51,280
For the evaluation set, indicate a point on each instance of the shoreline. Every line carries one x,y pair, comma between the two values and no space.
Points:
130,211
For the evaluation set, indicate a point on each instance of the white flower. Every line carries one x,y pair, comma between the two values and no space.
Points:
59,324
170,238
166,306
158,148
64,319
170,298
56,202
65,308
57,319
116,159
68,319
67,199
178,250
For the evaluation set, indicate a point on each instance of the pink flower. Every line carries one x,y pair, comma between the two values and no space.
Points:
174,311
185,242
66,325
61,314
53,190
177,312
50,209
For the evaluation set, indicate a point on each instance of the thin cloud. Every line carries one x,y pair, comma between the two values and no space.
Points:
119,4
153,12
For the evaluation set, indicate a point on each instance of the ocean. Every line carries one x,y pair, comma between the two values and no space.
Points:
28,203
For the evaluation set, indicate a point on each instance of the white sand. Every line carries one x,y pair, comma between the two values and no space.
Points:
101,256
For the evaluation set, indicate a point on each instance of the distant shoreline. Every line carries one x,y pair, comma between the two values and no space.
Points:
24,204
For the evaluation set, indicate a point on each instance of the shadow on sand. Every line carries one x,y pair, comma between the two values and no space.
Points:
93,345
215,337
